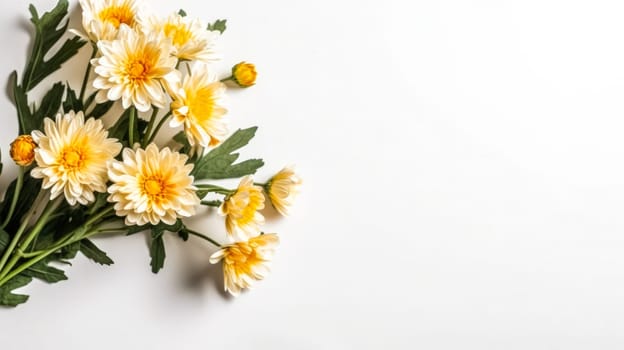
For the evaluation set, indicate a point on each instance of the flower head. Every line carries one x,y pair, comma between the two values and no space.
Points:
135,67
101,19
23,150
197,104
283,188
246,262
191,39
241,209
244,74
150,186
72,157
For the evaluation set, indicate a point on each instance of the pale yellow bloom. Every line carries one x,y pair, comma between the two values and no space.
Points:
241,209
135,67
246,262
244,74
150,186
191,39
23,150
72,157
283,188
101,19
198,105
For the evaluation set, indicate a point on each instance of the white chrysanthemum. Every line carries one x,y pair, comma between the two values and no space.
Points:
150,186
72,157
197,104
242,209
190,37
134,67
101,19
283,188
246,262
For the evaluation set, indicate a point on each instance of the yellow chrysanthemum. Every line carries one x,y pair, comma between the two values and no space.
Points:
72,157
23,150
244,74
101,19
150,186
197,104
283,188
246,262
134,67
241,209
191,39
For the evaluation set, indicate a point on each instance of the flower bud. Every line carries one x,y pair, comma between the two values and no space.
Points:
23,150
244,74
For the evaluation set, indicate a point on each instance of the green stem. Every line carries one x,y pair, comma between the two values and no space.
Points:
150,126
157,129
212,203
69,239
202,236
18,189
16,238
133,112
215,189
231,77
83,89
43,219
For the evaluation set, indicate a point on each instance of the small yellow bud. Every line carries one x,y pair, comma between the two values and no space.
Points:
23,150
244,74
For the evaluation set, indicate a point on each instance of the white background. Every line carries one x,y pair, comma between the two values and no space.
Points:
464,186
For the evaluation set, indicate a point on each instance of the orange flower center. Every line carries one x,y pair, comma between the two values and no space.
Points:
72,158
154,187
179,34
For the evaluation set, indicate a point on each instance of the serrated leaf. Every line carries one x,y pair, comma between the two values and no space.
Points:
91,251
72,102
69,252
219,163
49,107
157,252
24,115
45,272
182,13
101,108
7,297
218,25
27,197
49,28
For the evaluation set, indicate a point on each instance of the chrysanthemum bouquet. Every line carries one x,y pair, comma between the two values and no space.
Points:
85,170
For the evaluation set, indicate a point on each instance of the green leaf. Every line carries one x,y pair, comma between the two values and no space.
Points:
219,163
49,28
45,272
184,235
72,102
182,13
101,108
27,197
24,115
50,106
68,252
157,251
218,25
7,297
91,251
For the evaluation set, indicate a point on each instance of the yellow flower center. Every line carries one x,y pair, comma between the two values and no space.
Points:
137,70
201,103
116,15
179,33
155,188
72,158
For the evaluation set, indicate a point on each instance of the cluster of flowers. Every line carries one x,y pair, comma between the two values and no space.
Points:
150,64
